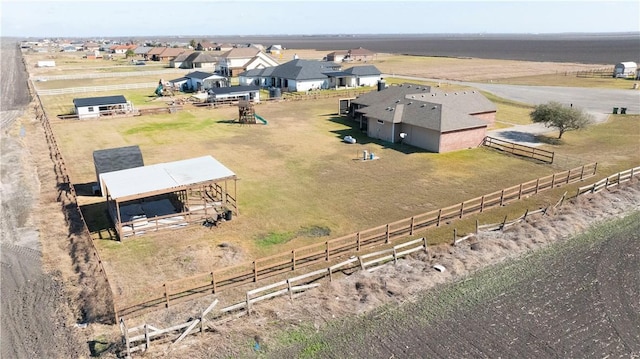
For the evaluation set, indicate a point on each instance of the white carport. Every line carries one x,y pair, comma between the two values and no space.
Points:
168,195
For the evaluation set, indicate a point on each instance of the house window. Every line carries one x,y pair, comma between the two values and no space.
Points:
381,122
90,109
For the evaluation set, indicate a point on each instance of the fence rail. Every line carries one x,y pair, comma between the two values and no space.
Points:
604,72
519,150
68,197
101,75
63,91
611,181
262,268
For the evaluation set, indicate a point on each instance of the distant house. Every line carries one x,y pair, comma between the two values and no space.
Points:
418,116
237,60
199,81
121,49
625,69
93,55
46,63
337,56
359,54
142,52
178,61
165,53
305,75
94,107
223,47
205,46
274,49
91,46
194,60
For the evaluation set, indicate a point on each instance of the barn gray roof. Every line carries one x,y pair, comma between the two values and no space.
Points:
200,75
366,70
99,101
233,89
116,159
304,69
439,111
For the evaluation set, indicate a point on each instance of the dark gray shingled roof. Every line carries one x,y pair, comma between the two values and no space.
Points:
99,101
415,105
116,159
233,89
366,70
305,69
199,75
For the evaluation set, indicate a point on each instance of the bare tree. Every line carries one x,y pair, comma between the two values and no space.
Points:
564,118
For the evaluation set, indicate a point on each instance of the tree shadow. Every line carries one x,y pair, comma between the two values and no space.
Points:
555,141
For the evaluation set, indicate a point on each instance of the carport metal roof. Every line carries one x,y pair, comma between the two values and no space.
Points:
162,178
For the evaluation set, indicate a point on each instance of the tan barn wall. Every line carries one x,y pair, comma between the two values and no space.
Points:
421,137
381,131
458,140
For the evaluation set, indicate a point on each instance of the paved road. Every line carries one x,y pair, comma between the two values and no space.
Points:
595,101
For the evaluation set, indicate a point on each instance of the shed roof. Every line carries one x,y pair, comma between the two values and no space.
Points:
99,101
116,159
200,75
366,70
166,177
233,89
305,69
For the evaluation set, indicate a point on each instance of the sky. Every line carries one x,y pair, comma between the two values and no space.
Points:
88,18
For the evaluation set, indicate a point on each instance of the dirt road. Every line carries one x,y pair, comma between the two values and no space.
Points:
35,315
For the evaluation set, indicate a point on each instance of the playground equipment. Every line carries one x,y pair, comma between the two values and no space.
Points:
247,114
163,89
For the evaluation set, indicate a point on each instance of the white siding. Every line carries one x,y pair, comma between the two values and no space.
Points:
369,80
88,112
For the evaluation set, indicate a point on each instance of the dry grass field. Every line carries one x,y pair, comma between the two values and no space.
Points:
297,178
298,182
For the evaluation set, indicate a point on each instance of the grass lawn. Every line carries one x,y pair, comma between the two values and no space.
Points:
295,175
299,183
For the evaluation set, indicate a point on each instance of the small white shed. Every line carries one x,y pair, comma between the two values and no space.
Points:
625,69
46,63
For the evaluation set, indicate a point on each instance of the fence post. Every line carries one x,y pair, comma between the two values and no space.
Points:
439,214
482,204
125,332
503,223
293,259
358,241
411,230
553,180
387,240
289,289
461,209
502,198
213,283
330,274
255,271
525,215
166,294
327,250
146,337
395,256
537,184
426,250
455,235
477,225
520,191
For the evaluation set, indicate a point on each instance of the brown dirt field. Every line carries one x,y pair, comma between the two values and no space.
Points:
449,68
